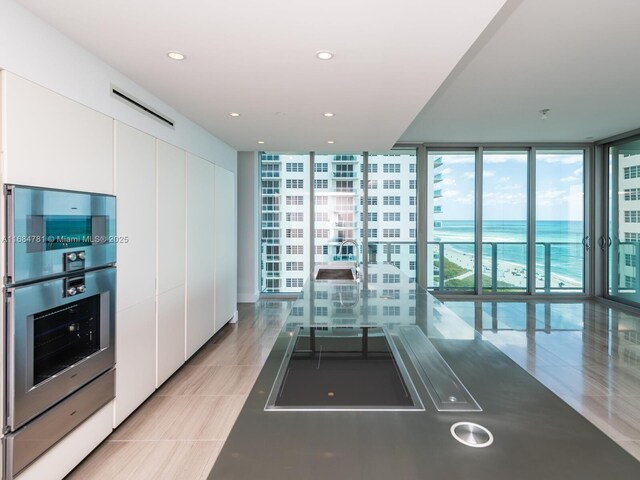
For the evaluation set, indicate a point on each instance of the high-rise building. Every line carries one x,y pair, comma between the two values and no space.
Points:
338,213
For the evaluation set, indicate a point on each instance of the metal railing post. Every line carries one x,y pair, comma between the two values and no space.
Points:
494,267
547,267
441,269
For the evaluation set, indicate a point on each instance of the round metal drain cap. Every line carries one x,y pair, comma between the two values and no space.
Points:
471,434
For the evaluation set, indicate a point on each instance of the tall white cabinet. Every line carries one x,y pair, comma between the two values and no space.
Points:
200,253
171,205
225,246
135,186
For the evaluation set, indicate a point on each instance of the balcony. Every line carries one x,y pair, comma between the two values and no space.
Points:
270,174
437,162
453,264
437,178
437,193
345,159
344,175
437,209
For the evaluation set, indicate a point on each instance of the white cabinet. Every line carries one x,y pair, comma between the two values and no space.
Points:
225,246
136,214
136,283
200,253
171,260
51,141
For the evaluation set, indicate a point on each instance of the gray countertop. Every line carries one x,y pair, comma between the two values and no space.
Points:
536,435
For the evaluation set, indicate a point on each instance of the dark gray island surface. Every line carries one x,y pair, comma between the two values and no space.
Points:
537,436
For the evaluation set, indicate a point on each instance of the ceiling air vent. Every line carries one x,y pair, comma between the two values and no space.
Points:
137,104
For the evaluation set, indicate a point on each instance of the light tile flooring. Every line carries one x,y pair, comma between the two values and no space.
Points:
179,431
585,352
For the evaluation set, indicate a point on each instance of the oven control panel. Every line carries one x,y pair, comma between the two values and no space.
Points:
74,260
74,286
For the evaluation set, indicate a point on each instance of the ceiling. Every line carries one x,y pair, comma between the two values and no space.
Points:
578,58
257,58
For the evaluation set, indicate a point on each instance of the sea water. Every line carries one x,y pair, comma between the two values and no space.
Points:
563,237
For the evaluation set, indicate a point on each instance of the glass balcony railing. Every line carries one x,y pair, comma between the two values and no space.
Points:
437,178
437,209
437,193
437,162
342,175
451,266
345,158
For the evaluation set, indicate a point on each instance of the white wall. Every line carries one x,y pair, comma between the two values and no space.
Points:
36,51
248,227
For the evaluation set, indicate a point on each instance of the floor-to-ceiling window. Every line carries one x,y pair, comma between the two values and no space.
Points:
451,220
392,223
504,221
337,209
285,222
623,241
560,227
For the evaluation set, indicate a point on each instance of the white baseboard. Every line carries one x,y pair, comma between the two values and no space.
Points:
235,317
248,297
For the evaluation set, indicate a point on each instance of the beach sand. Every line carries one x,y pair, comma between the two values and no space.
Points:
509,272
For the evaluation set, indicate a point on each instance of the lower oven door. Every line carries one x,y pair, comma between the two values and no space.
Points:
61,335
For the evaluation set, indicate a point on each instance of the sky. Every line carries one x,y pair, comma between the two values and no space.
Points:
559,191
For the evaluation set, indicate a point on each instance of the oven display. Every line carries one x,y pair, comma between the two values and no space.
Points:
57,232
64,336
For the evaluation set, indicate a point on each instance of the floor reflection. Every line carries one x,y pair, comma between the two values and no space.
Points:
585,352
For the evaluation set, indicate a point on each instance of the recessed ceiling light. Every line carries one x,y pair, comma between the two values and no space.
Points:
175,56
260,142
330,141
234,114
328,114
324,55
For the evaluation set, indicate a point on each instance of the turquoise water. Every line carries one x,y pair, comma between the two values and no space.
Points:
566,260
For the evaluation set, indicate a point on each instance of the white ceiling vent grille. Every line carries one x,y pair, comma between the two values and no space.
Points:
140,106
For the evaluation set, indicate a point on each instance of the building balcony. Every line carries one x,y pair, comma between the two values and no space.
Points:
344,175
437,162
345,159
437,193
437,178
437,209
270,158
270,174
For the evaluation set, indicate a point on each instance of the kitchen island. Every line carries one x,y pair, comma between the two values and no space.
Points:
296,434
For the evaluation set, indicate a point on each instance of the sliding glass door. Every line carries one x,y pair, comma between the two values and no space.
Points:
504,221
623,242
560,227
519,228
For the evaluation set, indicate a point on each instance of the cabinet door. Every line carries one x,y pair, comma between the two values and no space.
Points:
171,260
135,358
136,283
171,217
225,241
136,215
200,253
52,141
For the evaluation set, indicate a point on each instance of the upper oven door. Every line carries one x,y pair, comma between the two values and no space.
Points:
61,335
50,232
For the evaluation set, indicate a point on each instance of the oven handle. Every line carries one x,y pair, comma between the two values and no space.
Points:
10,231
9,376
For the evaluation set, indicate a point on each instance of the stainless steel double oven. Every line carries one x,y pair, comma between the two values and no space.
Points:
59,316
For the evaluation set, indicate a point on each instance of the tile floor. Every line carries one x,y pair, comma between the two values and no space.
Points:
179,431
585,352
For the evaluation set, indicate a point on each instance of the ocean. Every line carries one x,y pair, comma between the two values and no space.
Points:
567,252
